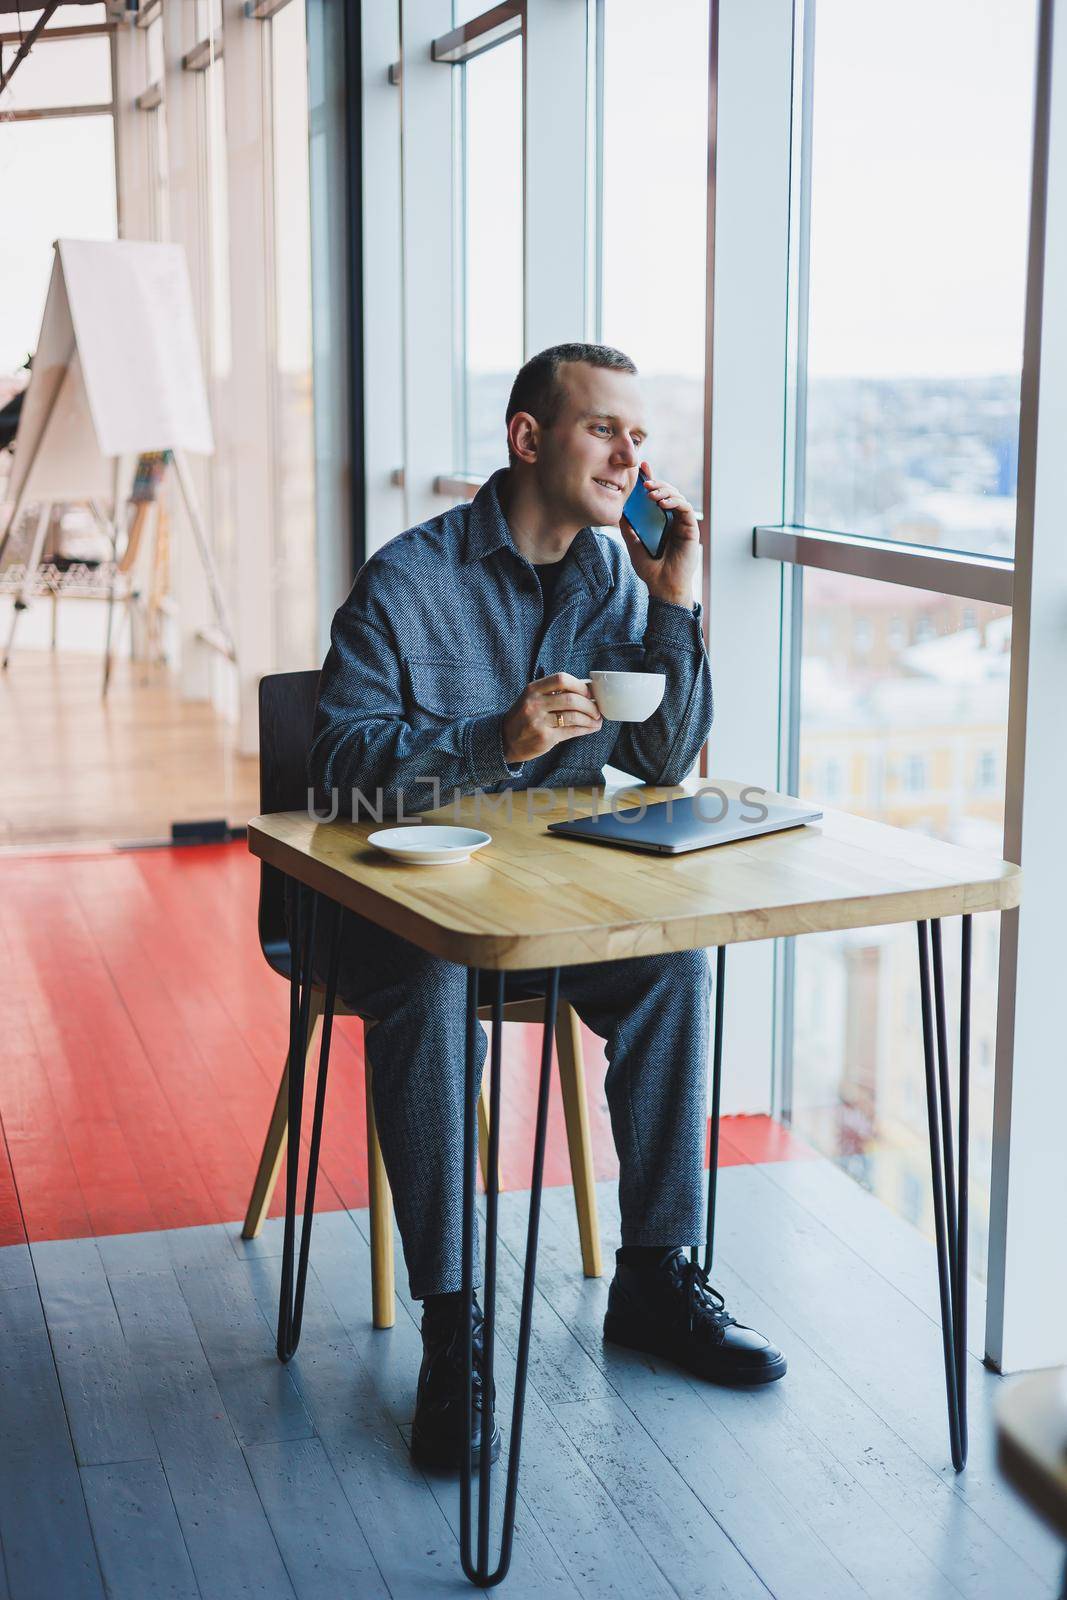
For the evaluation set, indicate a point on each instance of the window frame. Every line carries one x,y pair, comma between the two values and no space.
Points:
489,31
794,540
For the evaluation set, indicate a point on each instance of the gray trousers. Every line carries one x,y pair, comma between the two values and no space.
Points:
653,1013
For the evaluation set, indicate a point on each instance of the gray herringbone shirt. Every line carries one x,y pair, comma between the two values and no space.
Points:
439,637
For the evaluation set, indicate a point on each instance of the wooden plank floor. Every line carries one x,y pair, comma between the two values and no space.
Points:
114,770
153,1446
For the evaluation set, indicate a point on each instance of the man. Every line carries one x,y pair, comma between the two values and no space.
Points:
458,662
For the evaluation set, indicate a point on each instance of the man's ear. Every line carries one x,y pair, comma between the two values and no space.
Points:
524,437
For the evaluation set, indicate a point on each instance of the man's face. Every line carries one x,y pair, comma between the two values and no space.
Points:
588,458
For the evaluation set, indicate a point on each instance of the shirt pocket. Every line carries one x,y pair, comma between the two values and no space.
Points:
606,655
452,690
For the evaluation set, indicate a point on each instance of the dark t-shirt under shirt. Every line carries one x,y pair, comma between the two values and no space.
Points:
549,574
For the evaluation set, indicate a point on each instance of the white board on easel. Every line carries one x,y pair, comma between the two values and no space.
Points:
117,369
117,372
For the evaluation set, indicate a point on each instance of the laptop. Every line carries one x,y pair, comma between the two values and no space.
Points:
691,822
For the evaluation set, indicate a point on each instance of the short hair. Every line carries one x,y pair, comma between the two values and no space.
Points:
536,389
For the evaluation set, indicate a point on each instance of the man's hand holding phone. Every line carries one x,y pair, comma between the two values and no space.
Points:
670,575
548,711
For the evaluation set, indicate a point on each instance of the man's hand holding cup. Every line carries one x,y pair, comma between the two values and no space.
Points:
548,711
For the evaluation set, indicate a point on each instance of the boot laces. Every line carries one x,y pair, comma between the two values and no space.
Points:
705,1307
454,1353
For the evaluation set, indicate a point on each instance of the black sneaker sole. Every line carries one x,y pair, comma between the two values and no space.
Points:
617,1331
449,1458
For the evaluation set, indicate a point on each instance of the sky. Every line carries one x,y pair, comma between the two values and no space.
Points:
919,194
920,186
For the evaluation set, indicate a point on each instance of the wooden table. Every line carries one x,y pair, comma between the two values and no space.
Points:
536,901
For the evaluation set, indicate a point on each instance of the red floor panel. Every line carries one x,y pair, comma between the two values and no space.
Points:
145,1036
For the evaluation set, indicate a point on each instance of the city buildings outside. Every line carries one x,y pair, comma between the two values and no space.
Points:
904,702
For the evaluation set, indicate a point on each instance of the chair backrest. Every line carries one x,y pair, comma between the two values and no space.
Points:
286,717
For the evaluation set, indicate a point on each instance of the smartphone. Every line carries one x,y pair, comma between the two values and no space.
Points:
647,520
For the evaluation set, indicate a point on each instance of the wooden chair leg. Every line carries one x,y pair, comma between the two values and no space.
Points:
270,1162
483,1131
382,1265
576,1112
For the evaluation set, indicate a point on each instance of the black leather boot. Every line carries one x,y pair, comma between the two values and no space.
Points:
437,1432
669,1309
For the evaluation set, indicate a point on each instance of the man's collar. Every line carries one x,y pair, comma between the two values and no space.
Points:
487,528
488,531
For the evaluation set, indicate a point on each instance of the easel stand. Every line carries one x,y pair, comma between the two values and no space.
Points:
116,373
110,525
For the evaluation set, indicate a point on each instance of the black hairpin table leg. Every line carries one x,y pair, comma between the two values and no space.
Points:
716,1098
950,1196
477,1568
291,1301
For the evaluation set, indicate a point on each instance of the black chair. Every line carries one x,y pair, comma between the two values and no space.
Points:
286,716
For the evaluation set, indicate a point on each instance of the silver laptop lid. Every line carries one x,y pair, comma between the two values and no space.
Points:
689,822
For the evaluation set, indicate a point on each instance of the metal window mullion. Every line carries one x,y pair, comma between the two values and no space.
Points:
710,221
554,174
270,234
791,602
791,657
1026,1312
751,52
598,173
461,278
118,124
428,307
800,262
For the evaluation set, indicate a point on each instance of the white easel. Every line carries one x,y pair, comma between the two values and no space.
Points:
117,372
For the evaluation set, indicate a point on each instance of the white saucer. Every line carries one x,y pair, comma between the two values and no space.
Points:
429,845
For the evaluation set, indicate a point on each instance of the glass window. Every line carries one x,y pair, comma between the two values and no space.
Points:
919,195
912,724
654,151
64,72
58,178
988,770
294,441
492,276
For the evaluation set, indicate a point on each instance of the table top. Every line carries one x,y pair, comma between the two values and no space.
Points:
1032,1441
532,899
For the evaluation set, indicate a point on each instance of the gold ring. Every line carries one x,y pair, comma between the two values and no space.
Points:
559,719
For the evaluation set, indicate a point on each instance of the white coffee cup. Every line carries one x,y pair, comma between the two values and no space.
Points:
627,696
